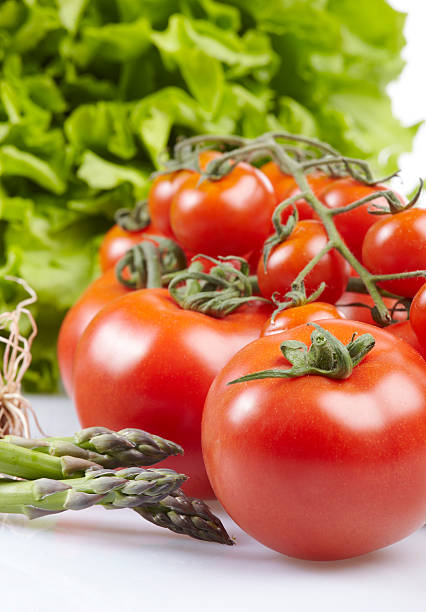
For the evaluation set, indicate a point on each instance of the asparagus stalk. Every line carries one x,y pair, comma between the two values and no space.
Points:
127,488
187,516
100,445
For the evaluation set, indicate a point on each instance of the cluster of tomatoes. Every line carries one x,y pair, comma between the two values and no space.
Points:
313,467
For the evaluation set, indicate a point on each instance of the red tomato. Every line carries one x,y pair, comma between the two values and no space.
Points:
282,183
285,187
318,468
231,216
290,257
353,225
360,313
397,243
164,188
144,362
318,181
405,331
292,317
102,291
418,315
118,240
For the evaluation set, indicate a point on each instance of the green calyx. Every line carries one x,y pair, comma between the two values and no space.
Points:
135,219
326,356
294,298
216,293
145,264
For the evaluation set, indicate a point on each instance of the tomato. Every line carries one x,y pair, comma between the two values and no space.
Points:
319,468
102,291
418,315
397,243
281,182
285,187
164,188
404,330
292,317
360,313
353,225
145,362
118,240
230,216
287,259
318,181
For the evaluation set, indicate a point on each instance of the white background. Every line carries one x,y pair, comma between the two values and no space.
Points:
408,93
112,561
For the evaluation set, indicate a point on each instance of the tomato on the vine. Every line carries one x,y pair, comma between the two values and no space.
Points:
118,240
287,259
404,330
394,244
314,467
354,224
292,317
418,315
145,362
281,182
285,187
163,189
350,304
229,216
102,291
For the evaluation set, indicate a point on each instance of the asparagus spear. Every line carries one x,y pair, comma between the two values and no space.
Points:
185,515
99,446
127,488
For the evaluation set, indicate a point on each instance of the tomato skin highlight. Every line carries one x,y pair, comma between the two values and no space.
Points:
418,316
102,291
394,244
359,313
353,225
287,259
144,362
292,317
230,216
317,468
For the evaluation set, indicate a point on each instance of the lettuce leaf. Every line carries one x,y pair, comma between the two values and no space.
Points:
93,93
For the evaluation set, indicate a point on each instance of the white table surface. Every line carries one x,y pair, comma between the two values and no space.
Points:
116,561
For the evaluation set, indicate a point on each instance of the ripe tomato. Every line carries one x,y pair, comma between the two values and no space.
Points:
230,216
118,240
360,313
318,181
404,330
102,291
164,188
292,317
397,243
418,315
318,468
145,362
281,182
285,187
287,259
352,225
